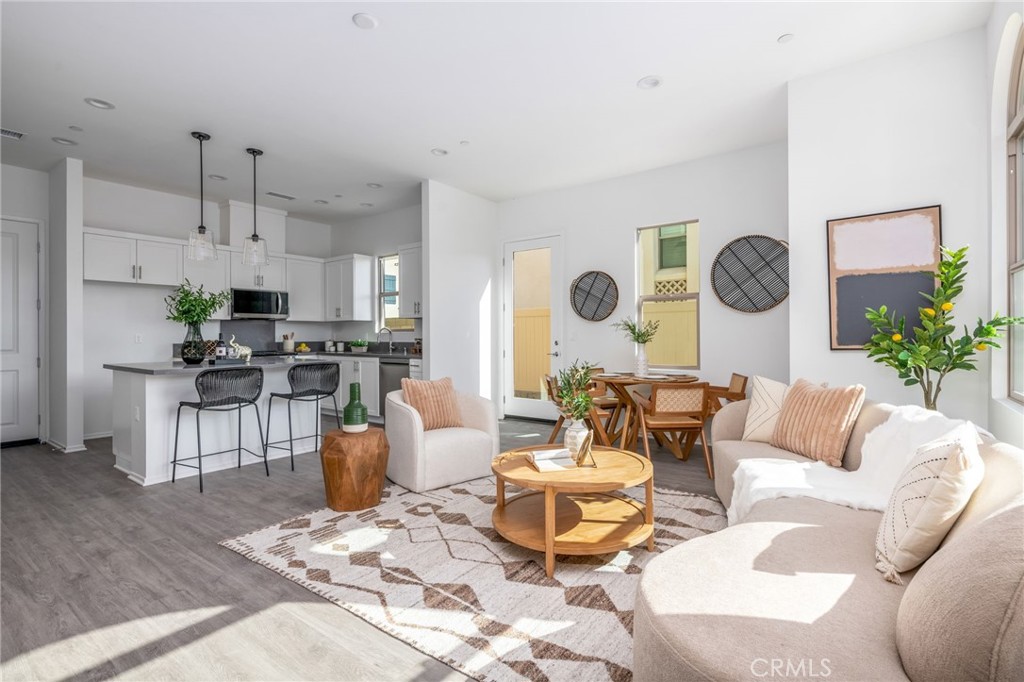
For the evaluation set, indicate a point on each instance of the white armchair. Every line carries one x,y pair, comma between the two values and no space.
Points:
423,460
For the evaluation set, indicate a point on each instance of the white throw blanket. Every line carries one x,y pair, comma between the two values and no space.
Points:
887,450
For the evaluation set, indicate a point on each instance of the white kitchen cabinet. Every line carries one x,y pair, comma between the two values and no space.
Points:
410,281
251,277
367,372
214,276
348,290
109,258
305,290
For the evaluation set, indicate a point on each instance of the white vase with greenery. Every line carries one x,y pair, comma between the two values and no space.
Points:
575,403
641,336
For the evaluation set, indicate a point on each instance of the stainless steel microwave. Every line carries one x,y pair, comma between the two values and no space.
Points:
259,304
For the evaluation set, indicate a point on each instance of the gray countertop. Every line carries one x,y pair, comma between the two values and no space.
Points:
178,368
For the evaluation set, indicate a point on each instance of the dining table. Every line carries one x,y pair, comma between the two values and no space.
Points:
621,384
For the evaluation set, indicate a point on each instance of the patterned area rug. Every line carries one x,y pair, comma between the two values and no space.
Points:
429,569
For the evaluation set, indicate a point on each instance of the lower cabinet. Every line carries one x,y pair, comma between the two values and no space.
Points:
365,371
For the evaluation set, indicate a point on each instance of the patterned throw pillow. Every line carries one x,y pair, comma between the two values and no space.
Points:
434,400
928,499
816,421
766,398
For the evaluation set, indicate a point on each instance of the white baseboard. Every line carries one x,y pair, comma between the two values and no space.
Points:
94,436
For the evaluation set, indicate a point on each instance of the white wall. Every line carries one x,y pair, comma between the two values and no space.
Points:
25,193
66,354
306,238
114,206
732,195
898,131
1006,417
376,235
460,288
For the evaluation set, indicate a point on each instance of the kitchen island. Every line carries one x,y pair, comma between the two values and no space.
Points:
145,403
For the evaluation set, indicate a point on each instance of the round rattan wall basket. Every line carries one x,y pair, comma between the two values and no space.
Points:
594,295
751,274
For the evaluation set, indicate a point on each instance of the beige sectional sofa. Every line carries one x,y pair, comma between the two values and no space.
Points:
792,591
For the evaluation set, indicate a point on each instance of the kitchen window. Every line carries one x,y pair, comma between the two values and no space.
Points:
388,288
668,260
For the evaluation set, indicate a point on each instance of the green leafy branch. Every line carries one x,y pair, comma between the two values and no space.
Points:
637,333
191,305
574,390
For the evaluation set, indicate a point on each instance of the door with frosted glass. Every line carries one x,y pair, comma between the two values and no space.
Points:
533,323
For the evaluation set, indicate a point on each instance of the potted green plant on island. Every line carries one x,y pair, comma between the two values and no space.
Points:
927,354
359,345
193,307
575,403
641,336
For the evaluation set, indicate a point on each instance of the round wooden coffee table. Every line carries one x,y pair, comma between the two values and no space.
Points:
576,511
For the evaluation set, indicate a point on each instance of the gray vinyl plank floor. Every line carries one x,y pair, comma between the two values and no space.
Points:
101,578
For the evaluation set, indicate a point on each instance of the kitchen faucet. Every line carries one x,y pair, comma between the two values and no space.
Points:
391,345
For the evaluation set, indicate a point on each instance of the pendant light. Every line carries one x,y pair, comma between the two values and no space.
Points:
200,243
254,251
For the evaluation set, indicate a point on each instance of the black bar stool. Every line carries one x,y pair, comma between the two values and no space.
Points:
309,381
222,390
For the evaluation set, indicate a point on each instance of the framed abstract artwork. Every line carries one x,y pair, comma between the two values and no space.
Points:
879,259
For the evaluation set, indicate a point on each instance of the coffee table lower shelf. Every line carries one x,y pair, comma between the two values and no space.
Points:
585,523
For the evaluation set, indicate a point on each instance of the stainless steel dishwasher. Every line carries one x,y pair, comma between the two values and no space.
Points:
392,371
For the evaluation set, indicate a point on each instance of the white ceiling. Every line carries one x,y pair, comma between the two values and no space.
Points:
543,93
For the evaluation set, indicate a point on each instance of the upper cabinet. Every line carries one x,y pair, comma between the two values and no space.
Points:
410,281
348,294
251,277
305,290
214,276
108,258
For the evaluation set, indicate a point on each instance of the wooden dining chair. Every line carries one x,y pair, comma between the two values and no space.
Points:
678,412
604,401
736,390
595,420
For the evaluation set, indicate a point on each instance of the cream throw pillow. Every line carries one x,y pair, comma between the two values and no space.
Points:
766,398
928,499
816,421
434,400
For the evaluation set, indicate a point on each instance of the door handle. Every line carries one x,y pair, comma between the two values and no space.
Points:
555,354
133,272
140,272
280,305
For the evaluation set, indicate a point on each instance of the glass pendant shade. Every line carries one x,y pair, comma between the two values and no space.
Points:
200,245
254,251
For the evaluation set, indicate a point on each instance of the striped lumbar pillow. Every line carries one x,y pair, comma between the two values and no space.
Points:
434,400
766,398
816,422
928,499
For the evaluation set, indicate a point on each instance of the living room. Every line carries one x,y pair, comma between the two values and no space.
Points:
861,110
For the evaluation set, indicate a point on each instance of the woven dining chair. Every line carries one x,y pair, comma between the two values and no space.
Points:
595,420
309,382
678,412
736,390
222,390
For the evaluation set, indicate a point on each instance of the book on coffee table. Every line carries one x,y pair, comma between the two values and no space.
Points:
551,460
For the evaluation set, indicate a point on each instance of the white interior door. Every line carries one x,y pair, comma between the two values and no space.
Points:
532,309
19,332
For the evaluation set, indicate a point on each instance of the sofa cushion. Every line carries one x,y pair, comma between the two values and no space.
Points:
766,398
816,422
927,500
795,582
727,455
434,400
963,616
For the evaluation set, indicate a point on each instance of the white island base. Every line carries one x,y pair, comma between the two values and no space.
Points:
145,403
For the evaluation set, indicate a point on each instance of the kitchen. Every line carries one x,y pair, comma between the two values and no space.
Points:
124,321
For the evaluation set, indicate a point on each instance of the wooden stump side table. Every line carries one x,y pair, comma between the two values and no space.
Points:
354,466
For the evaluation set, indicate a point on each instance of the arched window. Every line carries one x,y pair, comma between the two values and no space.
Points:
1015,217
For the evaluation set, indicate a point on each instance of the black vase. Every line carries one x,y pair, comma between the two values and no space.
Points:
193,348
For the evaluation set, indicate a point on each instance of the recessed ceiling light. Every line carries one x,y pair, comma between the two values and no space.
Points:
214,176
337,196
437,151
64,141
77,129
785,38
99,103
648,82
366,205
463,142
374,185
366,21
319,201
